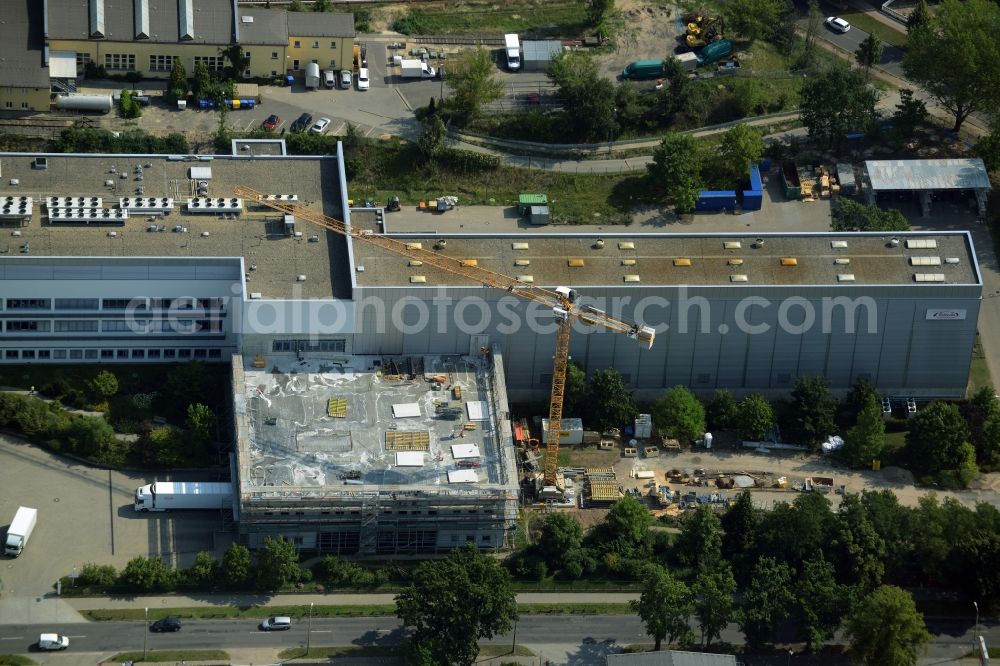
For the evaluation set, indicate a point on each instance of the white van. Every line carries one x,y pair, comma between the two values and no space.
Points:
52,642
512,48
276,623
329,79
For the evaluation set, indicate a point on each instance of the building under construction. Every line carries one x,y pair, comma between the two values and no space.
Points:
374,456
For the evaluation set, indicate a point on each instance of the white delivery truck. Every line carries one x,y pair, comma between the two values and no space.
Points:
312,75
20,530
416,69
512,48
169,495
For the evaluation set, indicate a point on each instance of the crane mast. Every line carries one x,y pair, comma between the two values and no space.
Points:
561,300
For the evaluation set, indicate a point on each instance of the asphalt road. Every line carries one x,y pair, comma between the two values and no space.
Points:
851,40
952,636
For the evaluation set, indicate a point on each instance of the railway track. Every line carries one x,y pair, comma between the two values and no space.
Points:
46,127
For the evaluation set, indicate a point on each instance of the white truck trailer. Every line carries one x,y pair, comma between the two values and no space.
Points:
20,530
512,49
312,75
416,69
171,495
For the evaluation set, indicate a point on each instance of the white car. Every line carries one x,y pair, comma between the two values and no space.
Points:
320,126
837,24
363,78
52,642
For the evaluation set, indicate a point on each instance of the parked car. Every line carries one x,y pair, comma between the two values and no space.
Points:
363,78
276,623
166,624
52,642
301,123
271,123
320,126
837,24
329,79
346,79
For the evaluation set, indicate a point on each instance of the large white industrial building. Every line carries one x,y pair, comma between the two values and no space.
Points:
205,277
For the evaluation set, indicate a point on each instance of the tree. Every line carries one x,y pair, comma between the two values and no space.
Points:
766,601
91,437
755,417
850,215
236,567
676,170
664,607
204,569
820,601
128,106
145,574
576,389
455,602
857,399
238,60
954,57
177,83
721,410
202,79
321,6
754,19
885,629
858,550
793,532
982,414
938,440
432,138
713,592
864,442
608,404
561,535
277,564
700,540
598,10
590,95
473,82
919,17
837,102
812,411
296,6
739,526
815,21
104,384
742,145
910,114
188,382
625,528
677,413
200,424
869,53
988,147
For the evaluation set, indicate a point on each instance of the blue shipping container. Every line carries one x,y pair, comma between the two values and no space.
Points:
715,200
753,198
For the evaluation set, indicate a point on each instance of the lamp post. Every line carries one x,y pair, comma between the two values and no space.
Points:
513,640
145,631
309,628
975,637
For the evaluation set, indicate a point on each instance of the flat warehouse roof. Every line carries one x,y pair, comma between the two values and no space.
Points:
951,174
643,260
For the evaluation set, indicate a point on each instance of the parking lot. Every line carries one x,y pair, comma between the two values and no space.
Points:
85,515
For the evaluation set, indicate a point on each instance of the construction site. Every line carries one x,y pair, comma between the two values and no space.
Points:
374,456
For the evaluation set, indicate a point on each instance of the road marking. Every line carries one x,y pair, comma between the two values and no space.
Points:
322,631
76,637
13,638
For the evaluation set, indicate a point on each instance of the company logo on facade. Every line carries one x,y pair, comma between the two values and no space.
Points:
946,315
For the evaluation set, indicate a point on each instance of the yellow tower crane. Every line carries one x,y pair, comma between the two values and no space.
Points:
561,300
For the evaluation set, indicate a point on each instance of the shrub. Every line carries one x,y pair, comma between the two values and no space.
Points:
147,574
97,575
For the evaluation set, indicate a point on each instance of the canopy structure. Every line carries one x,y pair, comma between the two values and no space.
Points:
927,176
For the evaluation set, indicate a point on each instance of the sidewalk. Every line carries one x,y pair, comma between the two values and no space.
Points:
179,601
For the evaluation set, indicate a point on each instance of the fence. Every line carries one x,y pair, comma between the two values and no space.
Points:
460,40
892,13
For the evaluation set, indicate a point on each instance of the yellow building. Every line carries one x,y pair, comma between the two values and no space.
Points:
147,36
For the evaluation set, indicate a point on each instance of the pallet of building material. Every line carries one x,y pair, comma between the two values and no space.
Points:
336,408
407,440
599,472
602,490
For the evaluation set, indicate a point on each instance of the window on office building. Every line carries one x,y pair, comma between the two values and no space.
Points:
138,353
335,345
8,105
59,354
24,105
333,45
153,353
274,55
122,326
120,61
169,353
107,353
316,45
29,303
28,325
161,63
44,354
10,353
90,354
124,303
201,353
28,354
215,353
121,353
297,44
76,326
82,59
75,354
184,353
213,63
76,303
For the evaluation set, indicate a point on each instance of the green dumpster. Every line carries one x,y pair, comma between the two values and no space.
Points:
526,201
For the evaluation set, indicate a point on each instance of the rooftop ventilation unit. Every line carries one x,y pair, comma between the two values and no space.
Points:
928,277
519,246
470,262
732,245
682,262
16,208
414,246
185,20
628,262
97,19
87,216
925,261
281,197
146,204
74,202
841,261
735,262
418,279
632,278
626,245
214,205
921,244
415,262
838,244
845,277
529,279
522,262
952,260
142,19
789,261
575,263
738,278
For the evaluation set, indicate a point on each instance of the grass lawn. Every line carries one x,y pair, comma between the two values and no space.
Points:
172,655
873,26
15,660
528,17
357,652
391,170
894,443
979,372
